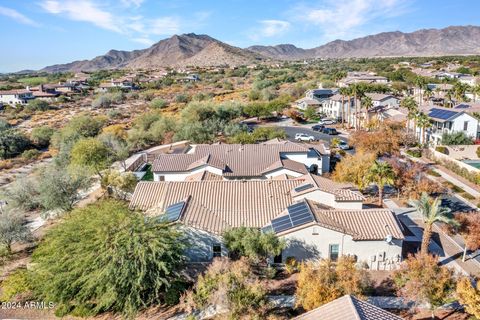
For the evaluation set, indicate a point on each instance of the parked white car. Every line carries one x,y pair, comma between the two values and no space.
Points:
304,137
344,146
327,121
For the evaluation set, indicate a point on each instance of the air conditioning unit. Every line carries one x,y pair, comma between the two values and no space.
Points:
381,256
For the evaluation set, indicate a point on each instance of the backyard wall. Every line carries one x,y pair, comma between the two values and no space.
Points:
463,152
447,157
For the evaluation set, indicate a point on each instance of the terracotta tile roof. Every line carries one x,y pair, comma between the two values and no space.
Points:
342,191
215,206
14,91
203,175
348,308
237,160
378,96
287,164
365,224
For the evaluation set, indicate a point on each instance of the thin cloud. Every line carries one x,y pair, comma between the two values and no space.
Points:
132,3
269,28
164,26
144,41
82,10
345,18
17,16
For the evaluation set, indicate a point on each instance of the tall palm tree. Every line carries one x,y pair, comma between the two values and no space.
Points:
448,97
410,104
423,122
343,92
421,85
431,211
382,174
357,93
427,94
476,91
367,103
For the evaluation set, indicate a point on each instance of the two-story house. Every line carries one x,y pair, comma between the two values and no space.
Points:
14,97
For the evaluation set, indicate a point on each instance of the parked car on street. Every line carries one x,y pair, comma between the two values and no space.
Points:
344,146
304,137
318,127
330,131
327,121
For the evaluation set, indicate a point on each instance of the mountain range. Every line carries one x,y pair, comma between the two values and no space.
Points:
202,50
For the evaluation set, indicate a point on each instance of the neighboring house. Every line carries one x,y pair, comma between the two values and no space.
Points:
468,79
17,96
304,103
190,78
121,83
380,99
448,120
332,107
45,92
250,161
315,98
348,308
317,217
365,77
321,93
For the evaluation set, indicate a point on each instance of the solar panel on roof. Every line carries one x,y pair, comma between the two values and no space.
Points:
281,224
173,212
300,214
303,187
441,114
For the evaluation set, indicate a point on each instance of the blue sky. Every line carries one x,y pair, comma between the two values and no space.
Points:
44,32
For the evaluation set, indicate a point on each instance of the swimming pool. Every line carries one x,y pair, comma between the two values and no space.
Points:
473,163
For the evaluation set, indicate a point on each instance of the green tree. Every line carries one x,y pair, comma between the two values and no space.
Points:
431,212
252,243
411,105
59,189
310,113
382,174
13,227
367,103
91,154
110,259
41,136
423,121
12,143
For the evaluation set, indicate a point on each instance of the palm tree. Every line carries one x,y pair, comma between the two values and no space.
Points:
459,90
421,84
431,211
382,174
448,97
357,94
411,105
343,92
367,103
423,121
476,91
427,94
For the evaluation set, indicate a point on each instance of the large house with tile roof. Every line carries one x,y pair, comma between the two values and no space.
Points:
317,217
348,308
272,159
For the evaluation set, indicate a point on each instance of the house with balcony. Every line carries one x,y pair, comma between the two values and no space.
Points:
448,120
336,105
315,216
14,97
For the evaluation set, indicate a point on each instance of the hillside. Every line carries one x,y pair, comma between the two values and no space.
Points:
202,50
177,51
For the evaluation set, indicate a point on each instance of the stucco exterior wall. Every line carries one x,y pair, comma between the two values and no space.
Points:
181,176
313,243
329,200
200,244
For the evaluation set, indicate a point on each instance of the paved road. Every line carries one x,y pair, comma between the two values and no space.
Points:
291,131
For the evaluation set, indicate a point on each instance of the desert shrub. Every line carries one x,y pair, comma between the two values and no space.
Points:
442,149
158,103
326,281
37,105
16,286
41,136
181,98
478,152
231,285
291,265
456,138
31,154
416,153
102,101
468,196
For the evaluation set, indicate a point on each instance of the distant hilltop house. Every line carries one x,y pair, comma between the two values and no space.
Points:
189,78
124,83
270,160
365,77
318,218
16,96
